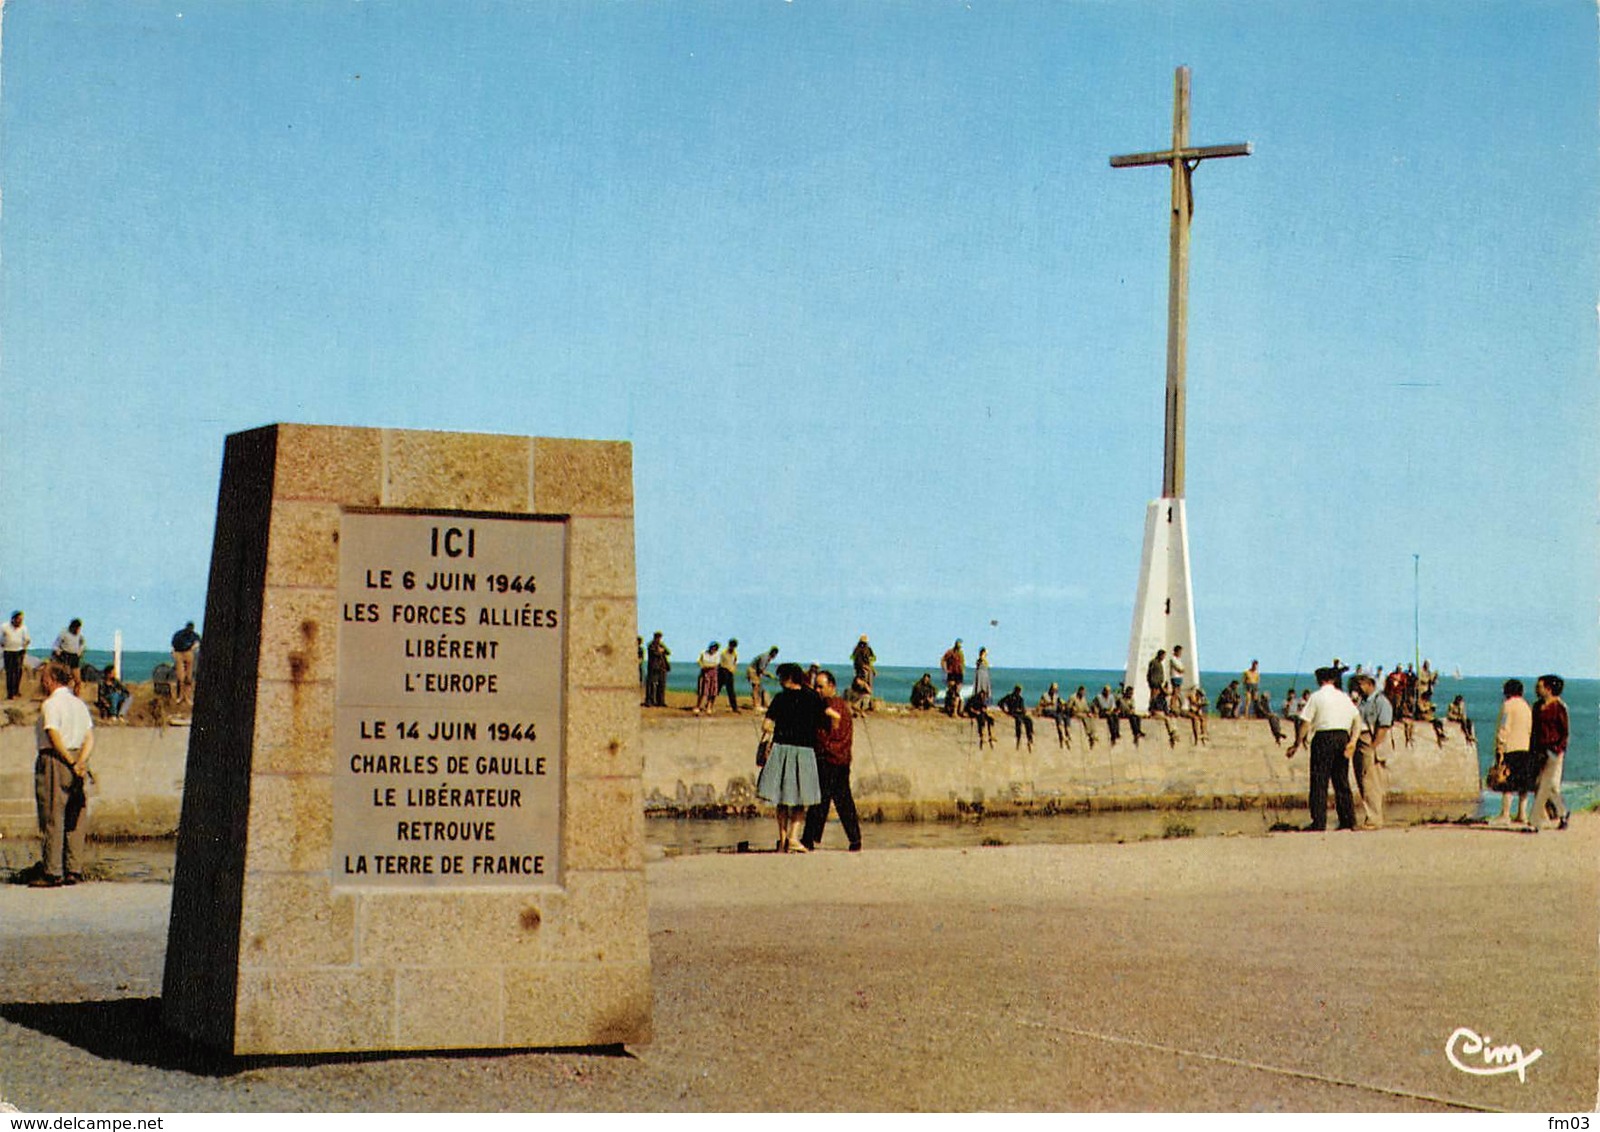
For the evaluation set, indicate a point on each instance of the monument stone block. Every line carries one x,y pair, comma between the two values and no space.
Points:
412,813
338,465
583,477
478,473
598,724
435,1008
303,546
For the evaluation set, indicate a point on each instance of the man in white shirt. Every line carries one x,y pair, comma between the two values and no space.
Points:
65,739
1175,668
14,642
70,645
1334,724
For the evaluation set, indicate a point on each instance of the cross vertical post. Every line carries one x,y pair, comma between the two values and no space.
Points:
1182,160
1177,294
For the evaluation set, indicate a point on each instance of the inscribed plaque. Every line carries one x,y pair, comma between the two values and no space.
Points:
448,708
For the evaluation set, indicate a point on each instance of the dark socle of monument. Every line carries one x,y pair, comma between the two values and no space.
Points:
412,815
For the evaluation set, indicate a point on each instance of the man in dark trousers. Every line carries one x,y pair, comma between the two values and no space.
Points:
834,740
726,668
954,663
657,664
1012,704
1155,673
1334,725
15,638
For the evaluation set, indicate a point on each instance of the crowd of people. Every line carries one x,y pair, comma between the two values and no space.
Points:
718,669
807,735
64,732
1171,698
113,697
1345,730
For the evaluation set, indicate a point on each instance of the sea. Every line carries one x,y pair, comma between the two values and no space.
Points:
1581,777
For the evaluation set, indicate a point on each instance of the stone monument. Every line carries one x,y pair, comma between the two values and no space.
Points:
412,816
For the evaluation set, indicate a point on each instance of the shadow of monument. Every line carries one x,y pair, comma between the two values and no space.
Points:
129,1030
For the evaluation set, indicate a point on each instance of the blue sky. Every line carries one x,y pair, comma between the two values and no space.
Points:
885,329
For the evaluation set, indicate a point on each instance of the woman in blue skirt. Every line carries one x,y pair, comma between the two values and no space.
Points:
789,778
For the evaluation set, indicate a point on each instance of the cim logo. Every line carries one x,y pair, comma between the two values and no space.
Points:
1465,1044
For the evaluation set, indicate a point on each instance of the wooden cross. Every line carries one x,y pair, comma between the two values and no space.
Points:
1182,159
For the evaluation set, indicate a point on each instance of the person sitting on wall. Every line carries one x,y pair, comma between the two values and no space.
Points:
1196,712
1264,710
1105,706
1160,707
923,694
1126,709
859,696
1053,707
113,698
1012,704
1427,714
977,709
1457,713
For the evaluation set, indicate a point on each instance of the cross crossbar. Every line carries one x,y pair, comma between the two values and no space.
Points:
1192,153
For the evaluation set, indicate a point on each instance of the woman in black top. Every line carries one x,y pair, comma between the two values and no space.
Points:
789,778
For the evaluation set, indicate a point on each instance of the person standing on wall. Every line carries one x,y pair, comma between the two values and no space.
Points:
14,641
658,663
726,668
185,648
757,675
982,677
1155,673
69,645
1252,687
865,662
706,693
954,663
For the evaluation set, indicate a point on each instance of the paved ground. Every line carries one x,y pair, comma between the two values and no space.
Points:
1297,971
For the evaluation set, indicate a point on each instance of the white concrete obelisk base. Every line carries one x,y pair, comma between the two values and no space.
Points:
1163,609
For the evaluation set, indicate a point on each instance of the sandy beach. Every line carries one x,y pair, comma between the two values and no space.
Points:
1322,972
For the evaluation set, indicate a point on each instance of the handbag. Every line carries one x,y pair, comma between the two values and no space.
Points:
763,749
1499,775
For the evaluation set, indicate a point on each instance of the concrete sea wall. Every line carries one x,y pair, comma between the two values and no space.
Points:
922,767
138,789
906,767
